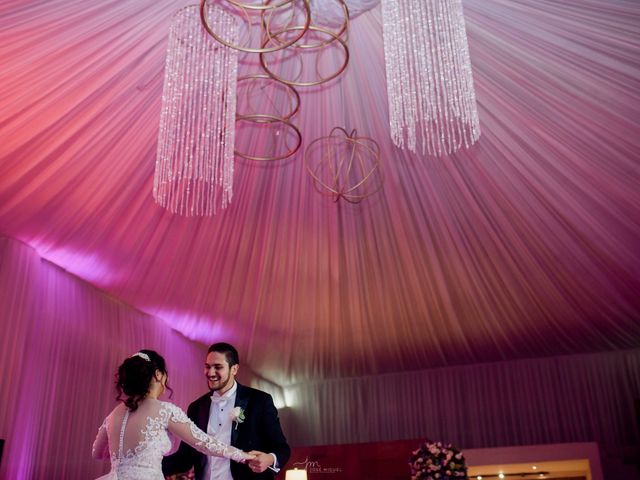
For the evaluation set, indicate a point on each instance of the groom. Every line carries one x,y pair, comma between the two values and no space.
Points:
256,430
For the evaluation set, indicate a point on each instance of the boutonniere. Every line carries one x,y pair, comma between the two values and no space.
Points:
237,415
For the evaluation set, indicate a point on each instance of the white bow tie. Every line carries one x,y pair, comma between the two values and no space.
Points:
219,399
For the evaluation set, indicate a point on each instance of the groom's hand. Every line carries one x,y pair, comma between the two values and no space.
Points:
261,462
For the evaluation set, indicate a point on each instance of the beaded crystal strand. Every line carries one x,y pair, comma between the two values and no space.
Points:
194,163
432,103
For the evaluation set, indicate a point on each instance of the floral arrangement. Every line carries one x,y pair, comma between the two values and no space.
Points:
437,461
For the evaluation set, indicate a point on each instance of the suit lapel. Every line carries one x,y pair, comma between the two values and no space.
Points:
242,400
203,414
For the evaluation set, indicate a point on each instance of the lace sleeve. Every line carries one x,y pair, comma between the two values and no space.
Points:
100,449
180,425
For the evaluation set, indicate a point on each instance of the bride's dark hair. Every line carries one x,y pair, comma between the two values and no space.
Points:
134,377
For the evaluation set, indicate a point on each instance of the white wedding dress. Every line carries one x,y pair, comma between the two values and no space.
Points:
136,442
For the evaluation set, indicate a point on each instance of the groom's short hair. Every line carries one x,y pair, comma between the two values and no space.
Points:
228,350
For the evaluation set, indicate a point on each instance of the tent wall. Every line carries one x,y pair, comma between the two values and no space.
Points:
60,345
578,398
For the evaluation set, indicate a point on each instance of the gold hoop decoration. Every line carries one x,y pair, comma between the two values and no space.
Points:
263,9
339,177
299,44
300,83
263,118
260,77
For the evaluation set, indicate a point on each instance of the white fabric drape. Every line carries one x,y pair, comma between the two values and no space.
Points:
62,340
563,399
61,343
525,245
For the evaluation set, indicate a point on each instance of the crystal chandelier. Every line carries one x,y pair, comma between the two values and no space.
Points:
432,103
194,163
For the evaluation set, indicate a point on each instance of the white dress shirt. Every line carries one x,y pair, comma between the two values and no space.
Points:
220,425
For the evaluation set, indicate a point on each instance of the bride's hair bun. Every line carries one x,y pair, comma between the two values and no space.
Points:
134,376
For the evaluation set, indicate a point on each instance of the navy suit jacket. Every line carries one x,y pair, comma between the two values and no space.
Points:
260,431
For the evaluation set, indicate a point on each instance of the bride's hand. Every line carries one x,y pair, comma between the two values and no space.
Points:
247,457
261,462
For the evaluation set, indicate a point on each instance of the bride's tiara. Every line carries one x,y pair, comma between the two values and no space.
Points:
141,355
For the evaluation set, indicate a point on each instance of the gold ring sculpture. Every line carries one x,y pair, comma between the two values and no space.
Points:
265,118
265,9
301,83
352,177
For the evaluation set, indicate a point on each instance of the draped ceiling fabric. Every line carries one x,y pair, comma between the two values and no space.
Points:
525,245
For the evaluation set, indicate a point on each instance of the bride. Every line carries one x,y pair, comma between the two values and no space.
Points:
135,434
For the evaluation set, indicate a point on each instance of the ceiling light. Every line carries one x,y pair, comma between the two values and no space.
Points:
196,137
432,103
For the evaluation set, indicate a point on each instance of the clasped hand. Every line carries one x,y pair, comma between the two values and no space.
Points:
260,462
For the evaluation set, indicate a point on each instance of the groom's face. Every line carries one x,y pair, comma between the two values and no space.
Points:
220,376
